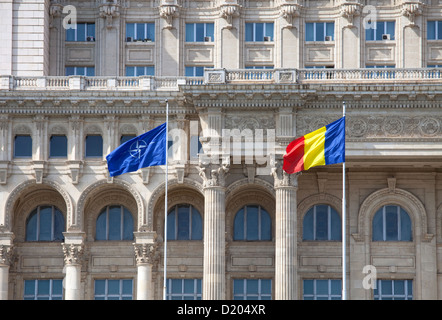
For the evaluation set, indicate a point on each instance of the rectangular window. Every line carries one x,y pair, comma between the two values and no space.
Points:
115,289
434,30
183,289
83,32
393,290
320,31
58,146
383,30
322,289
48,289
22,146
80,71
94,146
262,31
195,147
199,32
194,71
140,32
136,71
252,289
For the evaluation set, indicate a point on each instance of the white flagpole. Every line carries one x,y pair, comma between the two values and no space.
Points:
344,237
165,204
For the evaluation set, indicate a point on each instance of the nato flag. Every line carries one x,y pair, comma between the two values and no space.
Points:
146,150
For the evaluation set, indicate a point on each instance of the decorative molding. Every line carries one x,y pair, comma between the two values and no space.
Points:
228,12
289,12
168,12
411,10
350,11
109,9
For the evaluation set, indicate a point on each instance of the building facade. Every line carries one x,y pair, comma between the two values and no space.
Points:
241,79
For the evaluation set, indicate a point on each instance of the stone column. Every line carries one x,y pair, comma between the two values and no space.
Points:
146,255
72,281
214,277
5,262
286,243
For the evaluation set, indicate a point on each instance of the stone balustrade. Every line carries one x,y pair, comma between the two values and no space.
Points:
223,76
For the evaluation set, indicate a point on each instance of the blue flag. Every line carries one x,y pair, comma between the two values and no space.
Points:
146,150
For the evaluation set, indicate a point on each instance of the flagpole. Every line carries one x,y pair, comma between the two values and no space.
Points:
165,205
344,236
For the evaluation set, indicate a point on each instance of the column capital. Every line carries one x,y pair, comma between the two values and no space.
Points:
73,253
146,253
281,178
213,174
6,255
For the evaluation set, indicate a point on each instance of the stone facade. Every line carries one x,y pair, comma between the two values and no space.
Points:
393,138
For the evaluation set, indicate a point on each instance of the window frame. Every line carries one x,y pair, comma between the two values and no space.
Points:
37,296
36,211
324,29
246,295
121,295
378,295
86,72
197,289
245,231
191,235
51,147
27,156
86,147
374,31
399,231
330,213
206,32
149,29
315,295
147,71
264,31
122,226
437,25
86,30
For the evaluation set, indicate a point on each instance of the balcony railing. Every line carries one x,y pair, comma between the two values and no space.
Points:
223,76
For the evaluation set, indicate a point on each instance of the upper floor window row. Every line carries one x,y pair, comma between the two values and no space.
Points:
82,32
140,32
434,30
382,30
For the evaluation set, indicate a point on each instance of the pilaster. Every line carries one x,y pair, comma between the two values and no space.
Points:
286,186
214,277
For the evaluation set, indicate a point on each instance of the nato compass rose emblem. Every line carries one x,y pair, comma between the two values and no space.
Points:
138,149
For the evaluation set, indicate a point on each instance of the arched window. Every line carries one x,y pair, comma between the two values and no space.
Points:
321,223
45,223
114,223
391,223
252,223
184,222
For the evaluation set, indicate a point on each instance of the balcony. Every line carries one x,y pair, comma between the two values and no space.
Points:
222,76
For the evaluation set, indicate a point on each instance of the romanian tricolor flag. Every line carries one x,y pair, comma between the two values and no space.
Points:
321,147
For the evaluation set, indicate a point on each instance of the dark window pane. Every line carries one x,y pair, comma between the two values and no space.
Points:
259,32
439,30
81,32
100,228
249,32
209,30
126,137
190,37
321,222
199,32
405,226
307,226
252,223
23,146
320,32
130,30
94,146
58,225
45,224
58,146
377,226
309,32
266,226
128,225
183,223
114,223
140,31
391,223
238,226
197,225
31,227
171,225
